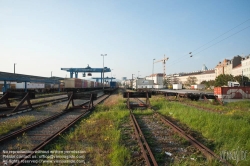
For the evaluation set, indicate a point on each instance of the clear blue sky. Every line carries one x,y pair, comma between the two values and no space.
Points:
45,35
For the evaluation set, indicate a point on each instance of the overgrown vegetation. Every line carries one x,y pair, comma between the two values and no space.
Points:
99,135
223,79
239,109
12,124
228,132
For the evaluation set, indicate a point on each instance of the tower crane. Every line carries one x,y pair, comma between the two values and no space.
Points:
164,64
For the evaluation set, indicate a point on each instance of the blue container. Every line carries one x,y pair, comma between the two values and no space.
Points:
5,89
112,84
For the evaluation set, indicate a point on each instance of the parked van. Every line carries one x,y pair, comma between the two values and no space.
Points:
233,84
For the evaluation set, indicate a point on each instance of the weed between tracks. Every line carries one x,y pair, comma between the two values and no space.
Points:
99,135
229,132
19,122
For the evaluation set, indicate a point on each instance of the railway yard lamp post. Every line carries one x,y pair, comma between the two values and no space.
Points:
51,73
132,81
14,68
103,70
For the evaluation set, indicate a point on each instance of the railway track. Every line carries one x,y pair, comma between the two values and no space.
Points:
27,141
35,105
145,149
48,100
147,153
37,97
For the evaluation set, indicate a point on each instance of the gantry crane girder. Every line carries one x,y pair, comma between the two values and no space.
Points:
88,69
164,64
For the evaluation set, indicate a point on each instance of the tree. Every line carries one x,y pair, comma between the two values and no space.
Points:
223,79
191,81
209,83
167,81
206,83
238,78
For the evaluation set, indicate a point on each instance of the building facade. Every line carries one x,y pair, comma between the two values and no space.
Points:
245,65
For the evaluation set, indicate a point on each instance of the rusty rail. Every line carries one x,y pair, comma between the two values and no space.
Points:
145,149
53,136
137,95
205,150
34,106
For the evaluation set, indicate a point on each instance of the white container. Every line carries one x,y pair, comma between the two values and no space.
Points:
198,86
177,86
29,85
158,86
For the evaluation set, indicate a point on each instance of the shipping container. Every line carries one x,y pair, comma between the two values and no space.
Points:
54,85
9,86
112,84
30,85
95,84
69,83
232,92
177,86
246,83
198,86
47,85
72,83
158,86
92,84
82,83
78,83
86,83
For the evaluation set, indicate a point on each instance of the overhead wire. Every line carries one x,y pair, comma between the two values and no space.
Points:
223,39
180,59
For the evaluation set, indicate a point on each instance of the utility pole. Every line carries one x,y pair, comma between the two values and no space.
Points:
132,81
103,70
14,68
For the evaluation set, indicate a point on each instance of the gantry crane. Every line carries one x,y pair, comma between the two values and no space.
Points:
164,64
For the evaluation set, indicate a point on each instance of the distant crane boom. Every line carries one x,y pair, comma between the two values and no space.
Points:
164,64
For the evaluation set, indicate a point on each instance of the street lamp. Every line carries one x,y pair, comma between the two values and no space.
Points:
153,68
103,70
51,73
132,81
14,68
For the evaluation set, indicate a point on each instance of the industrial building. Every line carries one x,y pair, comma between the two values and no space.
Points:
154,81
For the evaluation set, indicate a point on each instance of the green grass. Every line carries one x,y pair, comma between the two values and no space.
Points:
227,131
12,124
99,135
143,112
240,106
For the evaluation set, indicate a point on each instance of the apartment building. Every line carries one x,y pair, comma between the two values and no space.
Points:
205,75
245,66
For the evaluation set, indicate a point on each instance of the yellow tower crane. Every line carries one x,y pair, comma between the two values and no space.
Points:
164,64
